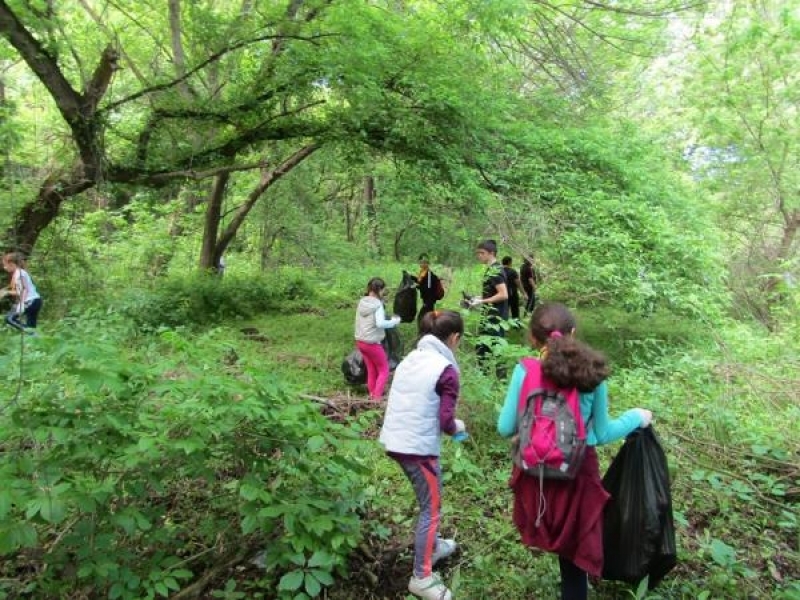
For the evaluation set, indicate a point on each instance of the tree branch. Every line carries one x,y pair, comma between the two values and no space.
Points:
101,79
267,179
41,62
110,35
216,56
668,10
198,175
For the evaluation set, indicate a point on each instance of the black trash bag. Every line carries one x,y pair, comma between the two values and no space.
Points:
394,347
353,368
638,530
405,299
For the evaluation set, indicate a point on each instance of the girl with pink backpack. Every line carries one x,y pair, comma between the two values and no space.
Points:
565,516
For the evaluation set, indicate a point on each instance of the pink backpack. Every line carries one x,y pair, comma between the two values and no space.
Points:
552,435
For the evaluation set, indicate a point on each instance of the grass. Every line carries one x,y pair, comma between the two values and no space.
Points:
726,412
307,348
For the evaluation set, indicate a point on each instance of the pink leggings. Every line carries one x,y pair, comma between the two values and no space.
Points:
377,365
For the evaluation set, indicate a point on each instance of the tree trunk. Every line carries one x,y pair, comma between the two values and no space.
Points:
268,239
372,212
6,153
773,283
34,217
211,252
268,178
79,110
398,237
352,210
791,226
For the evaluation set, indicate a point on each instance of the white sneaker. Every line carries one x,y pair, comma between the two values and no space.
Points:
444,548
429,588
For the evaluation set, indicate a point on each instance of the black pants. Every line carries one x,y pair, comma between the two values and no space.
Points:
424,310
574,581
31,314
531,303
513,305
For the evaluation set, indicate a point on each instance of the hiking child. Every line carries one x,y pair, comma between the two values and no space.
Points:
429,286
370,324
565,516
514,287
493,302
27,301
529,278
422,405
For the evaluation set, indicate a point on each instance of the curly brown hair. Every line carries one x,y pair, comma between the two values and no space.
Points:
567,361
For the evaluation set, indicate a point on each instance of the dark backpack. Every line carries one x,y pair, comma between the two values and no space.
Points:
438,287
405,299
552,435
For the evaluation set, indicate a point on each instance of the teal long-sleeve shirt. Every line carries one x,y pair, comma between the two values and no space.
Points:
594,410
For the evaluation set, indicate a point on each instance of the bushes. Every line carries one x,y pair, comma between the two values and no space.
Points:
130,474
202,299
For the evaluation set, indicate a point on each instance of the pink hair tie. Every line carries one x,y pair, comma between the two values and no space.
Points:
555,334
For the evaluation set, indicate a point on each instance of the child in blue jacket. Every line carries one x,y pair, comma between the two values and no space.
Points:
566,516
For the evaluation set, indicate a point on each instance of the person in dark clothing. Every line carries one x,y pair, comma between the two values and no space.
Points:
514,289
530,281
429,286
493,300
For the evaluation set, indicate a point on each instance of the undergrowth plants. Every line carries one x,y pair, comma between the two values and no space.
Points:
130,469
731,442
726,409
146,461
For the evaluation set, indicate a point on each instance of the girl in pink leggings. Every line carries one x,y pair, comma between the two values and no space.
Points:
371,322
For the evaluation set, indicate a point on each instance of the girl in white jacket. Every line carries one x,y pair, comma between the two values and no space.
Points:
422,405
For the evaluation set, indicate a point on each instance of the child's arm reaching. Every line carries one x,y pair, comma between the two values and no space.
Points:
448,388
507,420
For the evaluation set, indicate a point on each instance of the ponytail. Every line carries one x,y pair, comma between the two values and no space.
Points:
375,285
441,324
570,363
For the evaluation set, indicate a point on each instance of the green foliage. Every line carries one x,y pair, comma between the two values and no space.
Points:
147,450
605,220
131,466
202,298
724,410
740,91
171,449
